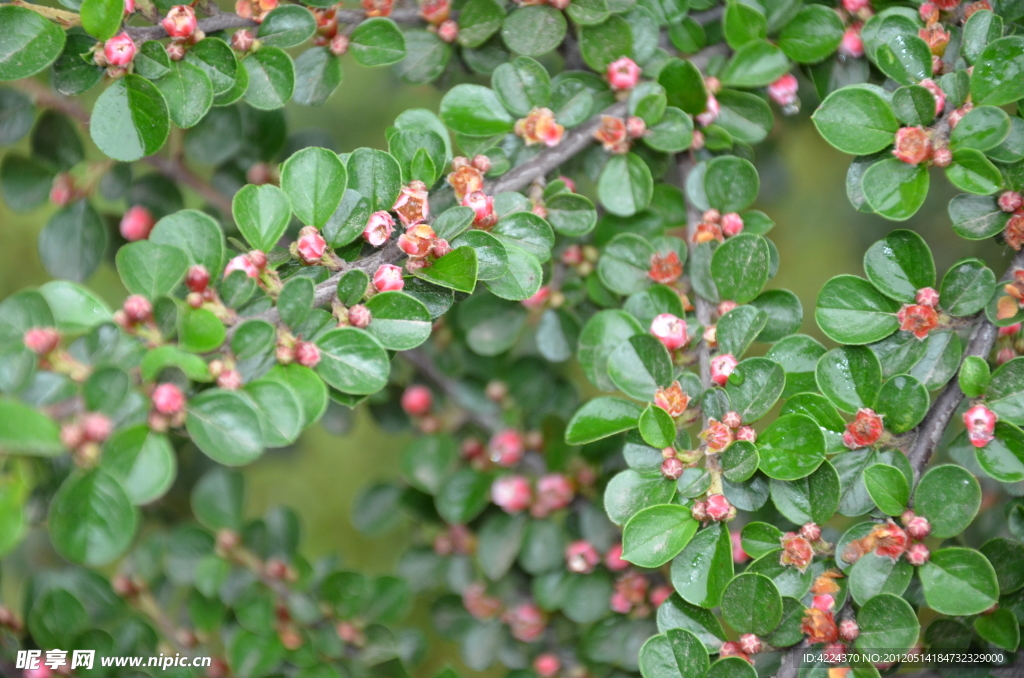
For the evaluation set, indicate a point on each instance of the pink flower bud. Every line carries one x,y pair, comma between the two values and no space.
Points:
942,157
865,430
913,145
635,127
659,594
175,51
168,399
387,278
726,306
739,556
129,6
721,367
928,296
732,649
732,419
554,491
198,278
711,110
311,245
1009,330
928,12
136,223
581,557
483,208
41,340
339,44
440,248
918,528
507,447
623,74
242,40
538,298
511,494
613,559
849,630
937,93
746,433
244,264
481,163
918,554
824,602
137,308
547,665
119,50
852,45
854,6
379,228
732,224
360,316
180,21
719,508
783,91
526,622
670,331
981,424
672,468
96,427
750,644
417,400
230,380
619,603
63,190
1010,201
699,510
307,354
811,532
573,255
448,31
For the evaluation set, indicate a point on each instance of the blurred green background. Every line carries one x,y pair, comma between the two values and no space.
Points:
818,235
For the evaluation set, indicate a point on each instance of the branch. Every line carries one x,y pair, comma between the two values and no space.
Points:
63,17
693,217
423,363
225,20
930,432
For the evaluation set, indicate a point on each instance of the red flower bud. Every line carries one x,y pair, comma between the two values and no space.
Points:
96,427
918,528
824,602
547,665
526,622
41,340
732,419
360,316
927,296
852,45
670,331
928,12
554,491
137,308
63,190
168,399
721,367
417,240
242,263
417,400
539,126
854,6
338,44
1010,201
739,556
448,31
511,494
311,245
538,298
750,644
483,208
783,91
119,51
198,278
942,157
717,436
635,127
623,74
581,557
412,204
440,248
699,511
711,110
719,508
918,554
307,354
732,649
746,433
849,630
613,559
242,40
659,594
230,380
811,532
507,447
981,424
913,145
379,228
387,278
672,468
180,21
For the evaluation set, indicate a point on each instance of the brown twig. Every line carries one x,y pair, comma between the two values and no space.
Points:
63,17
930,432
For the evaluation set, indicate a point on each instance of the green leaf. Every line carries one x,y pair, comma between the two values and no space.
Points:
757,63
997,77
601,335
492,256
851,377
428,461
76,310
966,288
307,385
704,568
741,266
743,23
159,358
26,430
28,42
279,410
463,496
188,93
218,499
974,376
377,42
1005,555
914,105
751,604
271,78
600,418
899,265
1005,393
759,539
571,214
588,12
887,622
656,427
225,426
456,270
738,328
625,263
949,497
478,21
527,231
1000,628
657,534
851,310
501,537
980,29
792,447
602,44
262,214
533,30
130,119
640,366
895,189
959,582
625,186
754,387
872,575
317,76
785,314
522,85
856,120
1003,457
200,330
101,18
673,133
746,117
218,62
290,25
888,488
902,402
731,184
798,356
149,269
676,613
976,217
314,180
971,171
813,34
677,653
475,110
813,499
983,128
907,59
91,519
684,86
629,492
352,361
375,175
195,233
73,243
398,321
